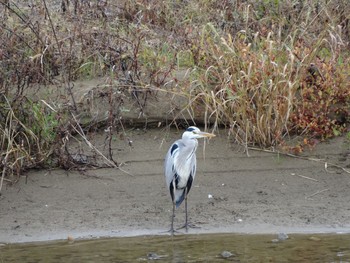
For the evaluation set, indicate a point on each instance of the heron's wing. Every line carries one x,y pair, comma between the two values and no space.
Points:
180,161
169,165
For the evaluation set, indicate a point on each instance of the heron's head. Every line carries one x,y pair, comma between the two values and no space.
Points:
193,132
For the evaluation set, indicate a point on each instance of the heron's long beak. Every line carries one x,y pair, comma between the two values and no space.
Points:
206,134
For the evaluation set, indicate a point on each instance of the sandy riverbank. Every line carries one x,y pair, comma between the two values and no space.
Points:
263,193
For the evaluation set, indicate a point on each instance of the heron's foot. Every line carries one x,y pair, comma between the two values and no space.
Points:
187,226
171,231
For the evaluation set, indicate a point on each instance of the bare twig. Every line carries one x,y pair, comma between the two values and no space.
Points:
81,133
64,77
23,19
326,164
318,192
305,177
4,169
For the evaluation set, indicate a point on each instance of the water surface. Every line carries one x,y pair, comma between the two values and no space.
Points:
186,248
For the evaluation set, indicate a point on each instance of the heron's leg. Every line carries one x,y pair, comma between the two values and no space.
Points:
174,205
172,193
187,224
172,220
172,230
186,216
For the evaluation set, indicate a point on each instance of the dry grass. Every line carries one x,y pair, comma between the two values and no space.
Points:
284,72
264,91
249,67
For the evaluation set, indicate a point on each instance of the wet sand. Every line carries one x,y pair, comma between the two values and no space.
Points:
232,193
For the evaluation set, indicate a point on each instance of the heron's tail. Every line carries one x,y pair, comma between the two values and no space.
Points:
179,197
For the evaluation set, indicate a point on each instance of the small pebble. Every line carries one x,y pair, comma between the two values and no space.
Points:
153,256
226,254
282,236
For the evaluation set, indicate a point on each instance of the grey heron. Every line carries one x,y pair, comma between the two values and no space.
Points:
180,168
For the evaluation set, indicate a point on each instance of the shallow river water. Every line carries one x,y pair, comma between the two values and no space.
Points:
186,248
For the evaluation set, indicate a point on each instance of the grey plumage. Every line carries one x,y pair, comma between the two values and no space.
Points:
180,168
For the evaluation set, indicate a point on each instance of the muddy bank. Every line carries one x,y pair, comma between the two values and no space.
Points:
263,193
